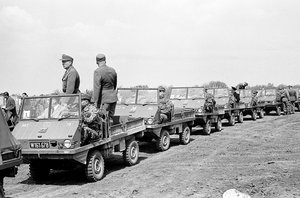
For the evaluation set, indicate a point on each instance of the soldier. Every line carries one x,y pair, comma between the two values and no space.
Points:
165,106
242,85
293,97
71,79
254,98
235,97
105,85
92,120
209,103
10,110
285,98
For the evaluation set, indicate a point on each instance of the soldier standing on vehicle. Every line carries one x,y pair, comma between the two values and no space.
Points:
105,85
71,79
165,106
10,110
210,102
293,97
235,97
92,120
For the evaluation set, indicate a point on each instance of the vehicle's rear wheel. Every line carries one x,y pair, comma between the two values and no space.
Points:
163,142
253,115
39,171
94,170
278,111
131,153
185,135
218,125
207,127
261,113
241,117
231,120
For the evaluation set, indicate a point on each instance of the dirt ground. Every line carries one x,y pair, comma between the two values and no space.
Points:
260,158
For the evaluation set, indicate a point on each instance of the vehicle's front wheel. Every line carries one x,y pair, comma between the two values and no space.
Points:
163,142
131,153
207,127
39,171
94,169
218,125
185,135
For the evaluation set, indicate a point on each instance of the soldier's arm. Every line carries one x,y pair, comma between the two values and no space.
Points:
71,83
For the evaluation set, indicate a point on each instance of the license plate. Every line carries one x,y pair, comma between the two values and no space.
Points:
39,145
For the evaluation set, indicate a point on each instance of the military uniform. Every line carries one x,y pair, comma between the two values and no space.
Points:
293,98
234,97
105,85
10,111
165,107
71,79
285,99
209,102
254,99
92,122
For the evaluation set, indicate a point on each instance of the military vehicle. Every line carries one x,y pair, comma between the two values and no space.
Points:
50,132
11,152
252,109
194,98
144,103
233,111
272,101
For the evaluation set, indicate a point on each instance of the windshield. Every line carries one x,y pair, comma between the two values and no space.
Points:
178,93
245,93
196,92
270,92
50,107
148,96
221,93
126,96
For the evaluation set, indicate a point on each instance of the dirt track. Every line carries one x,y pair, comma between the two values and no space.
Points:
261,158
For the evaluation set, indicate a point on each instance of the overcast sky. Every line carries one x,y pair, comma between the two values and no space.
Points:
149,42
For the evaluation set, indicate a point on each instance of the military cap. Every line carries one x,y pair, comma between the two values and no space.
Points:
66,58
86,97
161,88
233,88
100,57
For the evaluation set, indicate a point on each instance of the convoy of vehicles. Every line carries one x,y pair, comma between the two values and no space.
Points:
194,98
144,103
49,131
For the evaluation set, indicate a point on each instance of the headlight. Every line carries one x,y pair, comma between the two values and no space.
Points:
200,110
67,143
150,121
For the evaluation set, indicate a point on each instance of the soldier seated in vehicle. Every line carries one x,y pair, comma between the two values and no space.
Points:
92,121
254,98
209,103
165,106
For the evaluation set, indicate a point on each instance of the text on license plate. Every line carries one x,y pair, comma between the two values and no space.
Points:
39,145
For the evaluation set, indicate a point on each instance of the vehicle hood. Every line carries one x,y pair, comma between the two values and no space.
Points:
136,111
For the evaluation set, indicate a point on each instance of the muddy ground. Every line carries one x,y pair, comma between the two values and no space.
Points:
261,158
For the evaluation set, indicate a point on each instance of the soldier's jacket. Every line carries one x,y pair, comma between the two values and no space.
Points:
293,94
234,98
284,94
90,114
165,105
70,81
254,100
105,84
209,98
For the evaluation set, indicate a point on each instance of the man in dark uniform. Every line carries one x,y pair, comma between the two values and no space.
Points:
293,97
10,110
165,106
70,80
234,97
105,85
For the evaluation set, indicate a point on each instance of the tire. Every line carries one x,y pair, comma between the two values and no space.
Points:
278,111
207,128
185,136
261,114
240,117
231,120
131,153
163,142
39,171
253,115
94,170
218,125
